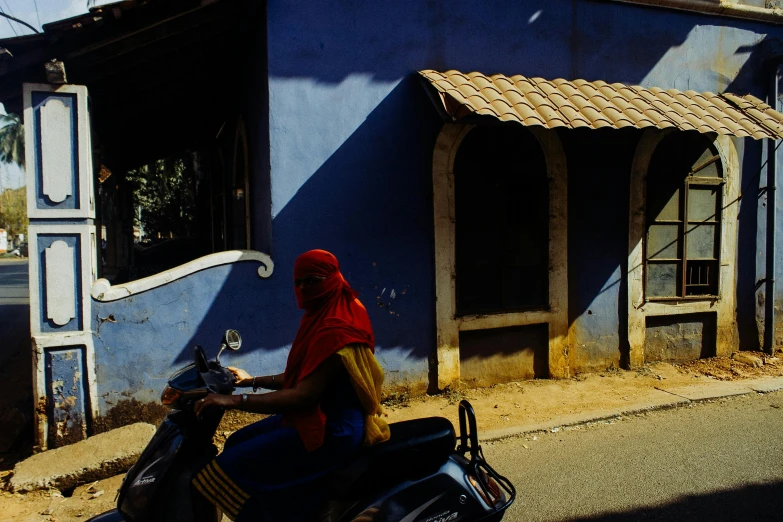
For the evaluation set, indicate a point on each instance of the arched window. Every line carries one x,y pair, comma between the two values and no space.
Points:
502,221
683,213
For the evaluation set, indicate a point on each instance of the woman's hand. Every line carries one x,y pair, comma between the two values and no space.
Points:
228,402
241,377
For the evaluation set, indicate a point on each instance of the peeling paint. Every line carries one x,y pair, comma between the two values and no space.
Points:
67,430
67,403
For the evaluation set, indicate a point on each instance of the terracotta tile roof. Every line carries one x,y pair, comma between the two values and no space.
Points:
595,105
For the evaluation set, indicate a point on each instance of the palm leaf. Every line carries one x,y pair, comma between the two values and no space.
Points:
11,139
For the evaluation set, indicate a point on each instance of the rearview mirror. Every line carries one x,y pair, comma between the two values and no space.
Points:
232,340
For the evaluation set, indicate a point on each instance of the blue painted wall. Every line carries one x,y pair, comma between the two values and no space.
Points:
351,140
141,340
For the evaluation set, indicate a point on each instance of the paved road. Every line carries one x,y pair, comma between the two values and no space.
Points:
15,351
711,461
14,306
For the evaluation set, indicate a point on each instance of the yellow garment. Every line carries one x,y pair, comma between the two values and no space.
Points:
367,377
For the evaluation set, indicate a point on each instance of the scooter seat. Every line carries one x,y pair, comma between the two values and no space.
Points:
416,448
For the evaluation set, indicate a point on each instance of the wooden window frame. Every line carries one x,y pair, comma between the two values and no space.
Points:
682,235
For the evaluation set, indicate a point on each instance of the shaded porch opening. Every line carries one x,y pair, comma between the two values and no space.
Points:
168,85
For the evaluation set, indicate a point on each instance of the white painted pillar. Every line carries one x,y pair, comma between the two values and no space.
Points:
62,250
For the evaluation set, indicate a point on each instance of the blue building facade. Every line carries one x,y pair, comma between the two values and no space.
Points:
347,150
352,135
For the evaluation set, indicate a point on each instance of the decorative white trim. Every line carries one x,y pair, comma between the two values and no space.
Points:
85,206
60,281
40,344
103,291
83,258
447,323
56,150
725,306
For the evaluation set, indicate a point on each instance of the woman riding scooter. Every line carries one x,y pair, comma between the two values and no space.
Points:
325,406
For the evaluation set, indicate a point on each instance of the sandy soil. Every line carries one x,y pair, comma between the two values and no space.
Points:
52,505
500,406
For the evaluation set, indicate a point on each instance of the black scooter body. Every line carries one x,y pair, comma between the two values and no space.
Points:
158,487
416,476
440,497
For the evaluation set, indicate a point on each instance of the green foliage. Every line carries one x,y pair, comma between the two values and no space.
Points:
13,211
11,139
165,194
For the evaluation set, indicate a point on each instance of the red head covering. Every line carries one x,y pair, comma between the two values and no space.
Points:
333,319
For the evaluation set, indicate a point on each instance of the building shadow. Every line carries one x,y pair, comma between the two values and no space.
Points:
759,502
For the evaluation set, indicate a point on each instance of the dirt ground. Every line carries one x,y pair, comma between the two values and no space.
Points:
500,406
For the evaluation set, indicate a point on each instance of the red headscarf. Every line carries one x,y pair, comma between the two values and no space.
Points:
333,319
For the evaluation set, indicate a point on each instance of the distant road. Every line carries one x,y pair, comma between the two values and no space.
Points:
14,306
721,460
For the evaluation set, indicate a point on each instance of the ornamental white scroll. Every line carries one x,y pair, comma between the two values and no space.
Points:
103,291
60,283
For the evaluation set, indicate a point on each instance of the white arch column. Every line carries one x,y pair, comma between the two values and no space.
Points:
639,308
448,324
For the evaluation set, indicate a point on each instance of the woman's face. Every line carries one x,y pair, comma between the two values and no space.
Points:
303,283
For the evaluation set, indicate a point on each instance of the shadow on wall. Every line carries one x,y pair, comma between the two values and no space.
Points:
754,77
384,244
598,183
353,206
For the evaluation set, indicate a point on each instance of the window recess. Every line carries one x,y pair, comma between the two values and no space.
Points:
684,206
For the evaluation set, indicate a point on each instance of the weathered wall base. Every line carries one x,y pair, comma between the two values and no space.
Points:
680,338
128,411
498,355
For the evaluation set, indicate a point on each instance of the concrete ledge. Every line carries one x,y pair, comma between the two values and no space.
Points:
710,390
93,459
658,401
662,399
766,384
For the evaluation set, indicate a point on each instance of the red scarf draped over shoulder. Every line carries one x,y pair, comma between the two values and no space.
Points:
333,319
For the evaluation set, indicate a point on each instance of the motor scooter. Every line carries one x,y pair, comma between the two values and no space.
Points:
423,473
